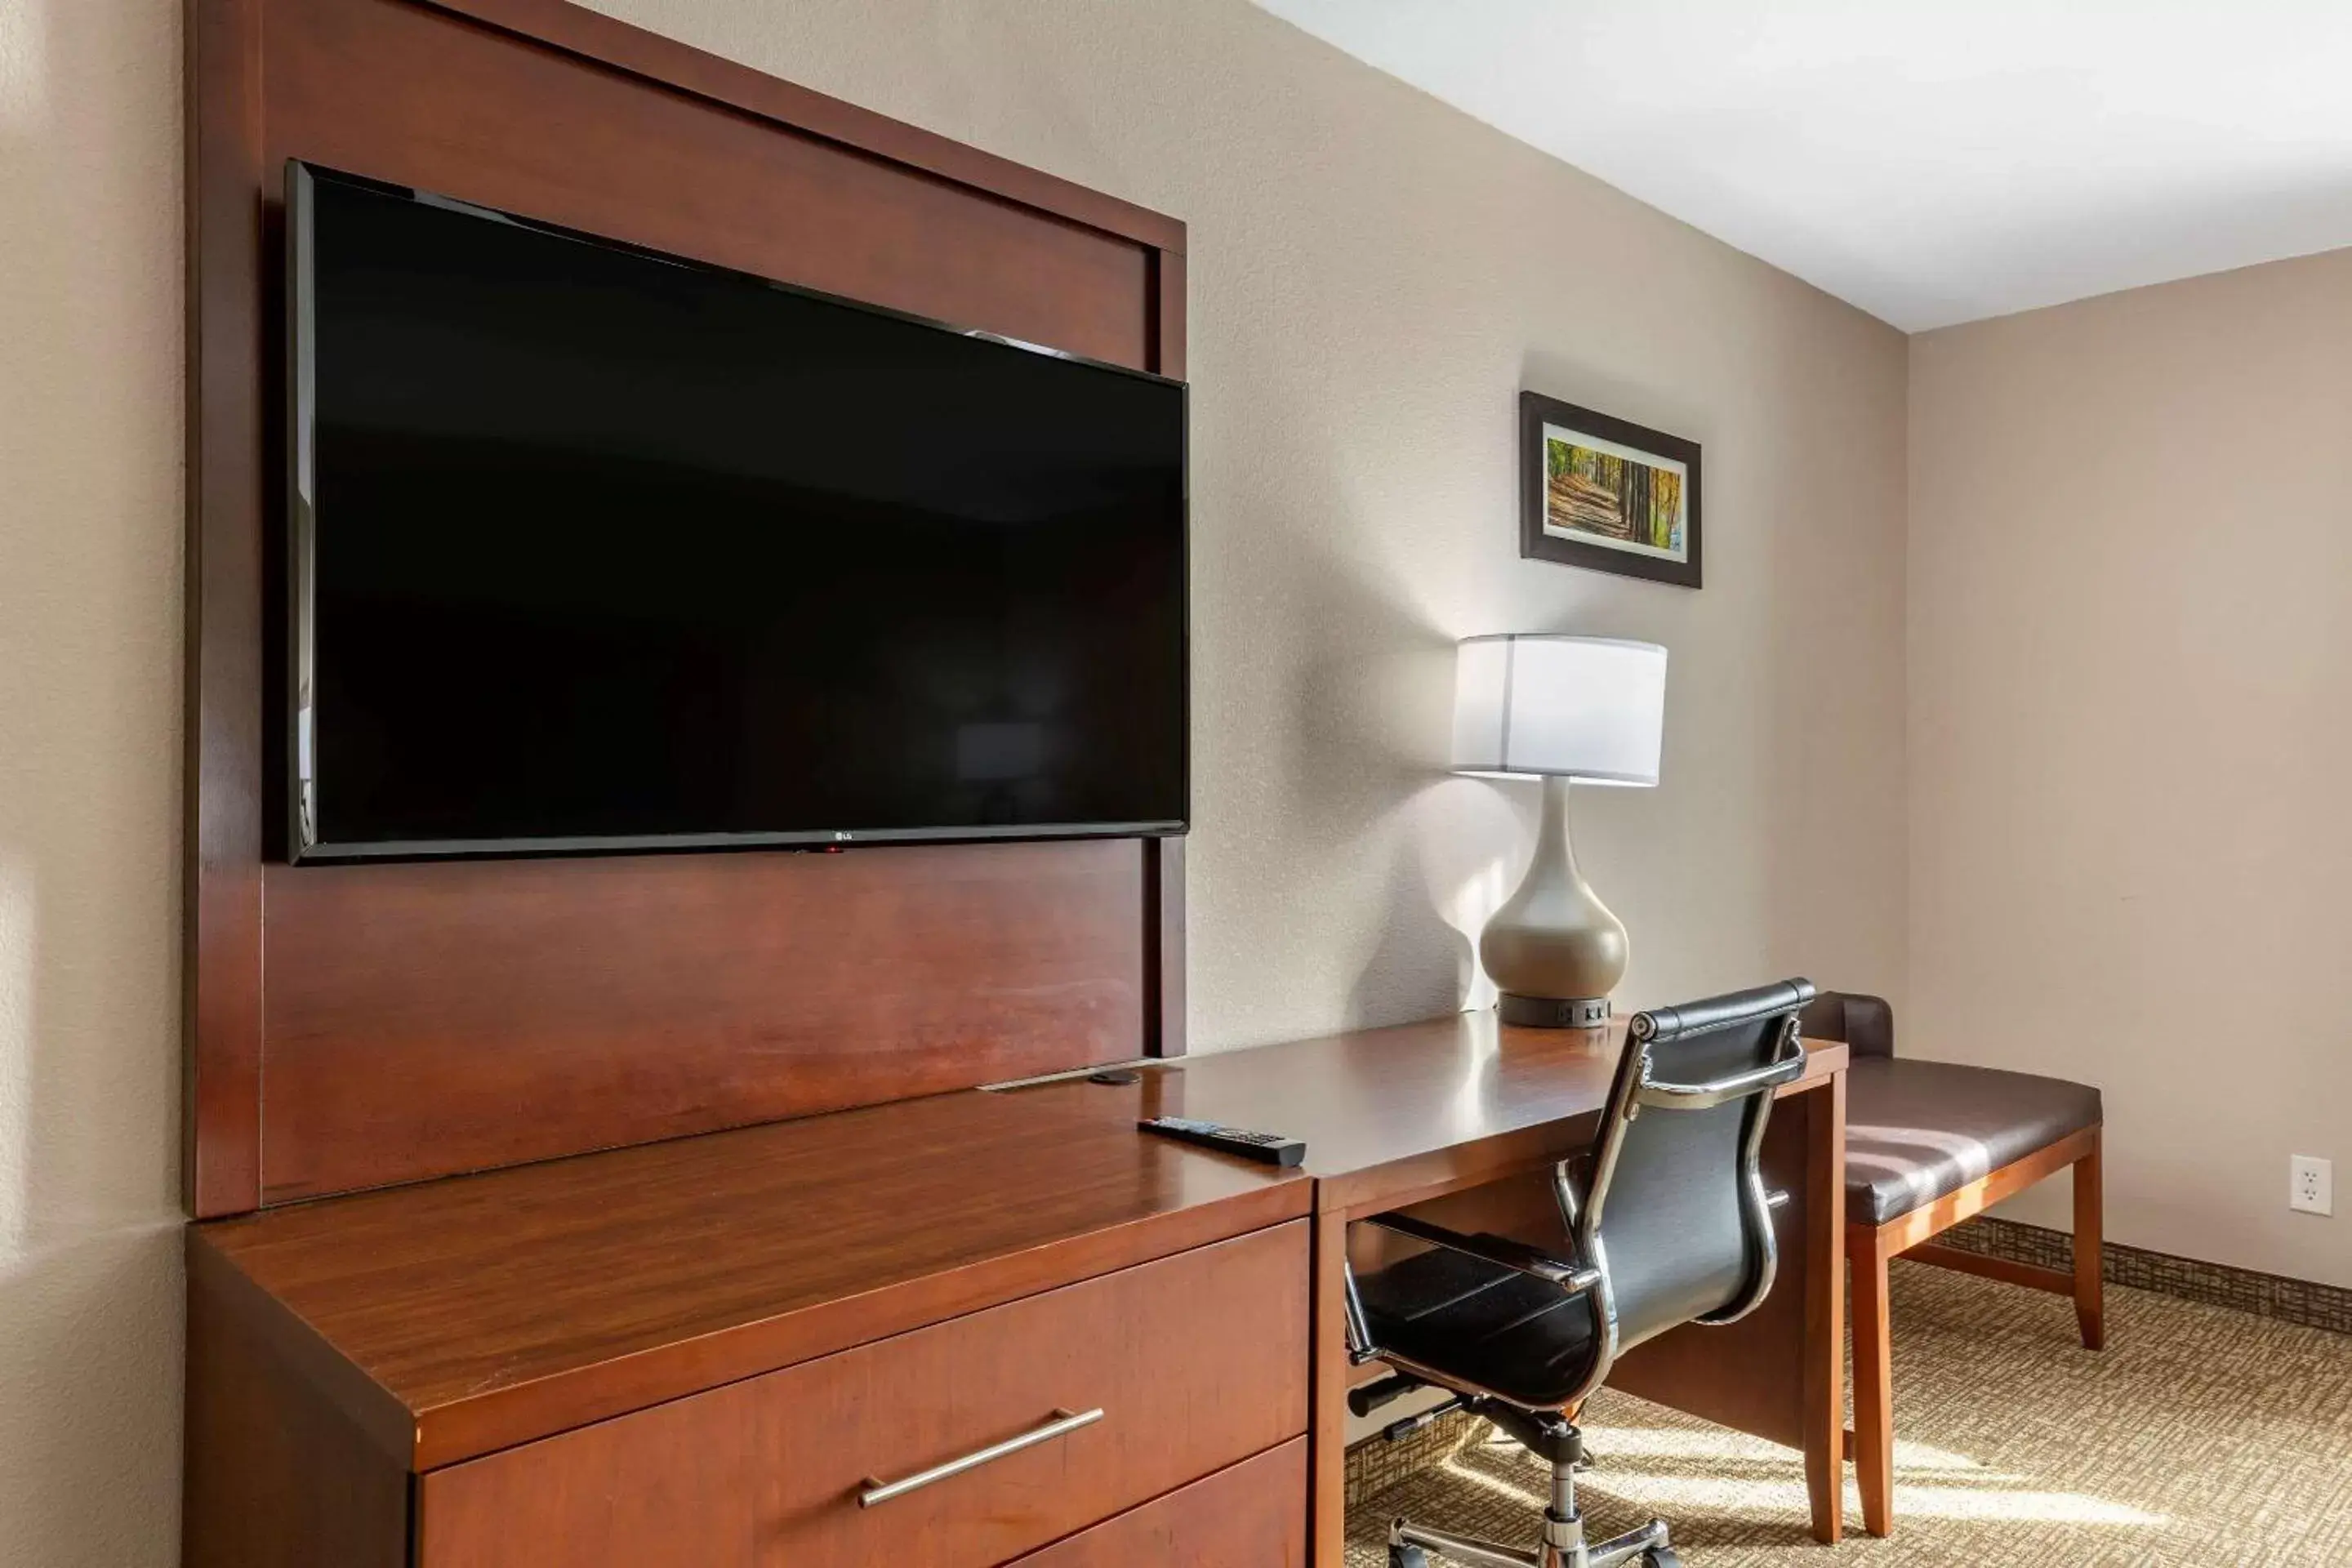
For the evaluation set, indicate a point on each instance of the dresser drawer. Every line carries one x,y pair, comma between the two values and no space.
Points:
1253,1515
1197,1361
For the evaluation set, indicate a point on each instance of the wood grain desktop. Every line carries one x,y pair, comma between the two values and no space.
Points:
416,1330
467,1315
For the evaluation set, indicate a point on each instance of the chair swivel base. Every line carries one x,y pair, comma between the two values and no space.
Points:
1555,1440
1562,1546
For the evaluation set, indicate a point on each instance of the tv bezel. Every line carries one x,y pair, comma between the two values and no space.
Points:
301,780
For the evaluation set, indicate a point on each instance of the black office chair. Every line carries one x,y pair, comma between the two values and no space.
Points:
1667,1223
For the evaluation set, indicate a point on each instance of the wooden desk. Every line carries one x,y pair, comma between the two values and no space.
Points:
615,1356
1405,1115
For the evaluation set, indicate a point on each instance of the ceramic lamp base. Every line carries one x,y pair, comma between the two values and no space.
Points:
1553,1012
1553,950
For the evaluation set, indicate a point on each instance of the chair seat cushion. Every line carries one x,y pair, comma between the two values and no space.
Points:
1917,1131
1496,1328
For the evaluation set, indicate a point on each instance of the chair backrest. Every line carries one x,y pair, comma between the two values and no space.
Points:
1673,1211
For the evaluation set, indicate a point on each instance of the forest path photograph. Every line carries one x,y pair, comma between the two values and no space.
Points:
1580,503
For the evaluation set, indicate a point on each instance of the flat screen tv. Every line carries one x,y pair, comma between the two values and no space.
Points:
599,550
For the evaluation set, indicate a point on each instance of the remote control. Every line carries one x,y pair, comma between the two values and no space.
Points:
1270,1148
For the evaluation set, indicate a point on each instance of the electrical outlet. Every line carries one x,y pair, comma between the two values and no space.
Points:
2311,1185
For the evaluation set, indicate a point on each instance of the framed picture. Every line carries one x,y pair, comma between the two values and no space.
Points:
1605,494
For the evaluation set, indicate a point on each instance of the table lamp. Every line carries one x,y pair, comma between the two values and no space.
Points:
1559,708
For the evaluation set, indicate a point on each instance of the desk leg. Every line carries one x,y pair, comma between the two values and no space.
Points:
1825,1414
1327,1415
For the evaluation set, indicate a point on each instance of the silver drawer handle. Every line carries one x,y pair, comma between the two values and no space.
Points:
1062,1425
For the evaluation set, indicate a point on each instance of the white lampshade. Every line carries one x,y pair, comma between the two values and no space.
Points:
1591,708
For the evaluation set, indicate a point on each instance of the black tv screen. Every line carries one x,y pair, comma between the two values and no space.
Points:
596,549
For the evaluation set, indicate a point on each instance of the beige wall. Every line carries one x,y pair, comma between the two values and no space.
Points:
2130,709
90,575
1373,278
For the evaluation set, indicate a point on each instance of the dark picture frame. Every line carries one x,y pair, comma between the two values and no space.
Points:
1588,503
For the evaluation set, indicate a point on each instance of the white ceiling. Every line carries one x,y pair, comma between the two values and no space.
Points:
1931,161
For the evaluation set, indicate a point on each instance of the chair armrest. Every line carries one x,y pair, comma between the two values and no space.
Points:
1707,1096
1518,1256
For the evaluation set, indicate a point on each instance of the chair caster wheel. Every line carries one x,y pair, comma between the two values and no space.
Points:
1662,1557
1414,1557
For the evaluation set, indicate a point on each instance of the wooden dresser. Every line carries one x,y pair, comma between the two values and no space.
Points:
481,1275
705,1352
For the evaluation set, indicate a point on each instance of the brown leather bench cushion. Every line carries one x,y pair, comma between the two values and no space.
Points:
1918,1131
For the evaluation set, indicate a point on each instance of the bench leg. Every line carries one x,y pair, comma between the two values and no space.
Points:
2090,1277
1873,1382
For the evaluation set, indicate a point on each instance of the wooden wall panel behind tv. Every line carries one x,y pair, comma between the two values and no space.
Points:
354,1027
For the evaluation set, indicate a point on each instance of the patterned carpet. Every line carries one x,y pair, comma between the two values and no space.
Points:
2201,1436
